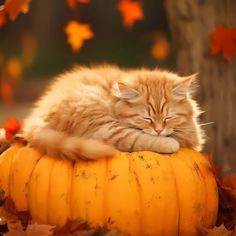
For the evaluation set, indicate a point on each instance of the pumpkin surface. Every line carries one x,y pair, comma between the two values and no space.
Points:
140,193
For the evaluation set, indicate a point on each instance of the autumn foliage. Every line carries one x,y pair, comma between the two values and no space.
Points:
223,41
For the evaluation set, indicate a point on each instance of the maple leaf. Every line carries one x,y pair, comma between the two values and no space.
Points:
14,7
130,11
223,40
77,33
16,229
220,231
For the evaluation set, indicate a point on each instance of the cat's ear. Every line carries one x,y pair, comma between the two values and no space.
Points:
183,86
124,92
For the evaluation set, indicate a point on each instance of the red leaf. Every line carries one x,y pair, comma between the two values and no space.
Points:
224,41
11,127
130,11
15,7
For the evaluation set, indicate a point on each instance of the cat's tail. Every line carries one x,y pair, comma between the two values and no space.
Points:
62,145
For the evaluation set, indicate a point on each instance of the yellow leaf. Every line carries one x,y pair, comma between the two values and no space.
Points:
130,11
77,33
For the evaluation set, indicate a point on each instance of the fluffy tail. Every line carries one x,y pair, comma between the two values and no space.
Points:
60,144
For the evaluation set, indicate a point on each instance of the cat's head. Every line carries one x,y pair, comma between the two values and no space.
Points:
158,103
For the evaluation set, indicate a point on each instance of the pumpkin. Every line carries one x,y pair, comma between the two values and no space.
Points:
140,193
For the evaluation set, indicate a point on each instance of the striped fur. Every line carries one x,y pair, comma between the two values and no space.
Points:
91,112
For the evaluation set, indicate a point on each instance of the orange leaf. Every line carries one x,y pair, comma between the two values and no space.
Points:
223,40
77,33
130,11
15,7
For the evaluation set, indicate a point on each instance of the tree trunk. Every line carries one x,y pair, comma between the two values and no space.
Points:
191,23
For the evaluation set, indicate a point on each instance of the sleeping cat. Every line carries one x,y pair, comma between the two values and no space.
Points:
90,113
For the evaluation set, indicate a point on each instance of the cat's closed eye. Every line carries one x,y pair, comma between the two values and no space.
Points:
148,119
167,119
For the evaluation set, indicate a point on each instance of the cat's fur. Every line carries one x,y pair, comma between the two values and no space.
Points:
90,112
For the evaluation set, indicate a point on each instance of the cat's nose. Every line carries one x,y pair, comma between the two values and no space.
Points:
159,131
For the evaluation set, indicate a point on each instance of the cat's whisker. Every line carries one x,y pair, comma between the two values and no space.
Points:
208,123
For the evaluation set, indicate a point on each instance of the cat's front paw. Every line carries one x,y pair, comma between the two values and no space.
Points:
173,145
167,145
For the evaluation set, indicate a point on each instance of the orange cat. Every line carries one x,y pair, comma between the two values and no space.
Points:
90,112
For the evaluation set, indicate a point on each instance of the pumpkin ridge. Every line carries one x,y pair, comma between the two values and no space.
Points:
139,191
177,190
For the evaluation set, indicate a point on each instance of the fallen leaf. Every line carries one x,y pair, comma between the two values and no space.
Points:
227,198
224,41
220,231
11,127
131,12
77,33
39,229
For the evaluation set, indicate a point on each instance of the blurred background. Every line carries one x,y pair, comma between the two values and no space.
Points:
174,35
36,44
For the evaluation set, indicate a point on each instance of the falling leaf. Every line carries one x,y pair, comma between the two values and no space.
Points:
14,7
220,231
224,41
6,91
131,11
161,47
77,33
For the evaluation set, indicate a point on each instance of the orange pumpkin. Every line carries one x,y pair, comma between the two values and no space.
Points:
140,193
